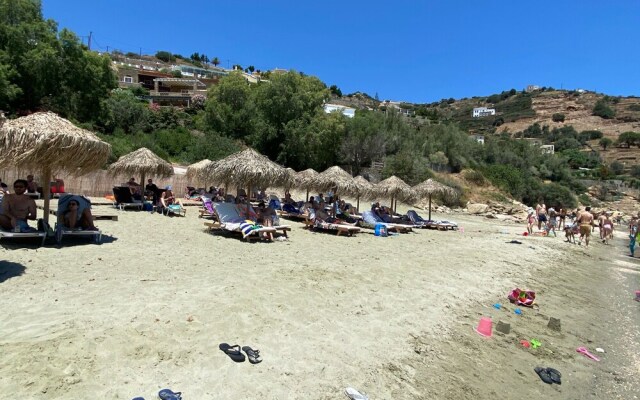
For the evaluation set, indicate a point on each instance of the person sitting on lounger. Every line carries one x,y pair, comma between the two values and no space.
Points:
266,215
168,198
73,219
17,208
32,186
322,216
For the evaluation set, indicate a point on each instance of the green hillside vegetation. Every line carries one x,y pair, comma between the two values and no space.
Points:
284,119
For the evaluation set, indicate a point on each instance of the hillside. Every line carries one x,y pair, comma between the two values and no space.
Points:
516,111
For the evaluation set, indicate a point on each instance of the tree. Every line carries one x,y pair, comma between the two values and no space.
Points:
335,90
123,110
438,158
164,56
605,142
557,117
230,109
251,68
215,61
602,109
629,139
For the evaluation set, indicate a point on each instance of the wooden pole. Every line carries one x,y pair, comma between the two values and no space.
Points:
429,206
358,205
46,175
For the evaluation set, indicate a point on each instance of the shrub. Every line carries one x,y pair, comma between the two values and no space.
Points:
473,176
585,199
603,110
557,117
605,142
634,107
164,56
557,195
635,171
617,167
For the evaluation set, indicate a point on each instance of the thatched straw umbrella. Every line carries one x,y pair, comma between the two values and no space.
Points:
304,180
335,179
364,189
395,188
143,162
50,144
198,170
248,168
430,187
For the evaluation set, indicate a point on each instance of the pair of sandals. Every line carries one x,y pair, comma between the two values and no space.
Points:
234,352
549,375
165,394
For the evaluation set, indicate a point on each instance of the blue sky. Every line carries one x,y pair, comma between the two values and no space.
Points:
407,50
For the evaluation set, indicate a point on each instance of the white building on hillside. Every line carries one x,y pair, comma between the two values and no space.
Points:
483,112
346,111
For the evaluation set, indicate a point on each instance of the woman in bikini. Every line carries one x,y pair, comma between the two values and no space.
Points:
607,225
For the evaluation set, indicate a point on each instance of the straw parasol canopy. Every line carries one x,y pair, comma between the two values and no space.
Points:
395,188
248,168
141,162
431,187
364,188
48,143
304,180
334,178
198,170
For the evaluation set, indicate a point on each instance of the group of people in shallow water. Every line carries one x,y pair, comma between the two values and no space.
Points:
582,223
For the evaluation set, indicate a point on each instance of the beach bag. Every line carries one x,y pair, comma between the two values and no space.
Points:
522,297
381,230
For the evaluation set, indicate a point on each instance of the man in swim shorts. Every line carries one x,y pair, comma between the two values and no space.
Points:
586,221
542,216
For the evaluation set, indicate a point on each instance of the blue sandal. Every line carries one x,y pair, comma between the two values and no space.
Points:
168,394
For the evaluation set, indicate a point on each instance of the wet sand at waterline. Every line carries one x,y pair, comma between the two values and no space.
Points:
392,317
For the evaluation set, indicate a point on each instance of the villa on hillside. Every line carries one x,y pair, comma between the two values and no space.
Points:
346,111
483,112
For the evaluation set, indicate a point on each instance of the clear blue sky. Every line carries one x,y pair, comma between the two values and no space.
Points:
410,50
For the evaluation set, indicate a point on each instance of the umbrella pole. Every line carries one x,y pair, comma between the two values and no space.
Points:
358,205
307,200
142,187
429,206
46,175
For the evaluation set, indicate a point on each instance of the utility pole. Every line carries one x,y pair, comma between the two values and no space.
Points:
140,51
89,41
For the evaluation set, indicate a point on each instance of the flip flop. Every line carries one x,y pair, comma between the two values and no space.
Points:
253,355
138,398
168,394
555,375
232,351
354,394
544,375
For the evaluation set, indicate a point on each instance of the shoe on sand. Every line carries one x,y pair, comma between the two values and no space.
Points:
168,394
232,351
252,355
354,394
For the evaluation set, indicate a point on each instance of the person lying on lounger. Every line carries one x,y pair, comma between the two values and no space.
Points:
73,219
322,216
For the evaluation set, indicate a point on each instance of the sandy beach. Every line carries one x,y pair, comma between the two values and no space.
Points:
392,317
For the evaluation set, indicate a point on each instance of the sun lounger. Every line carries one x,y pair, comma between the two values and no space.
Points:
370,219
62,231
21,235
123,199
314,223
227,217
423,223
207,208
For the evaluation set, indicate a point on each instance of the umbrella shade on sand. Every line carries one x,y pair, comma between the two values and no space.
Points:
304,180
50,144
395,188
364,189
248,168
431,187
143,162
198,171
